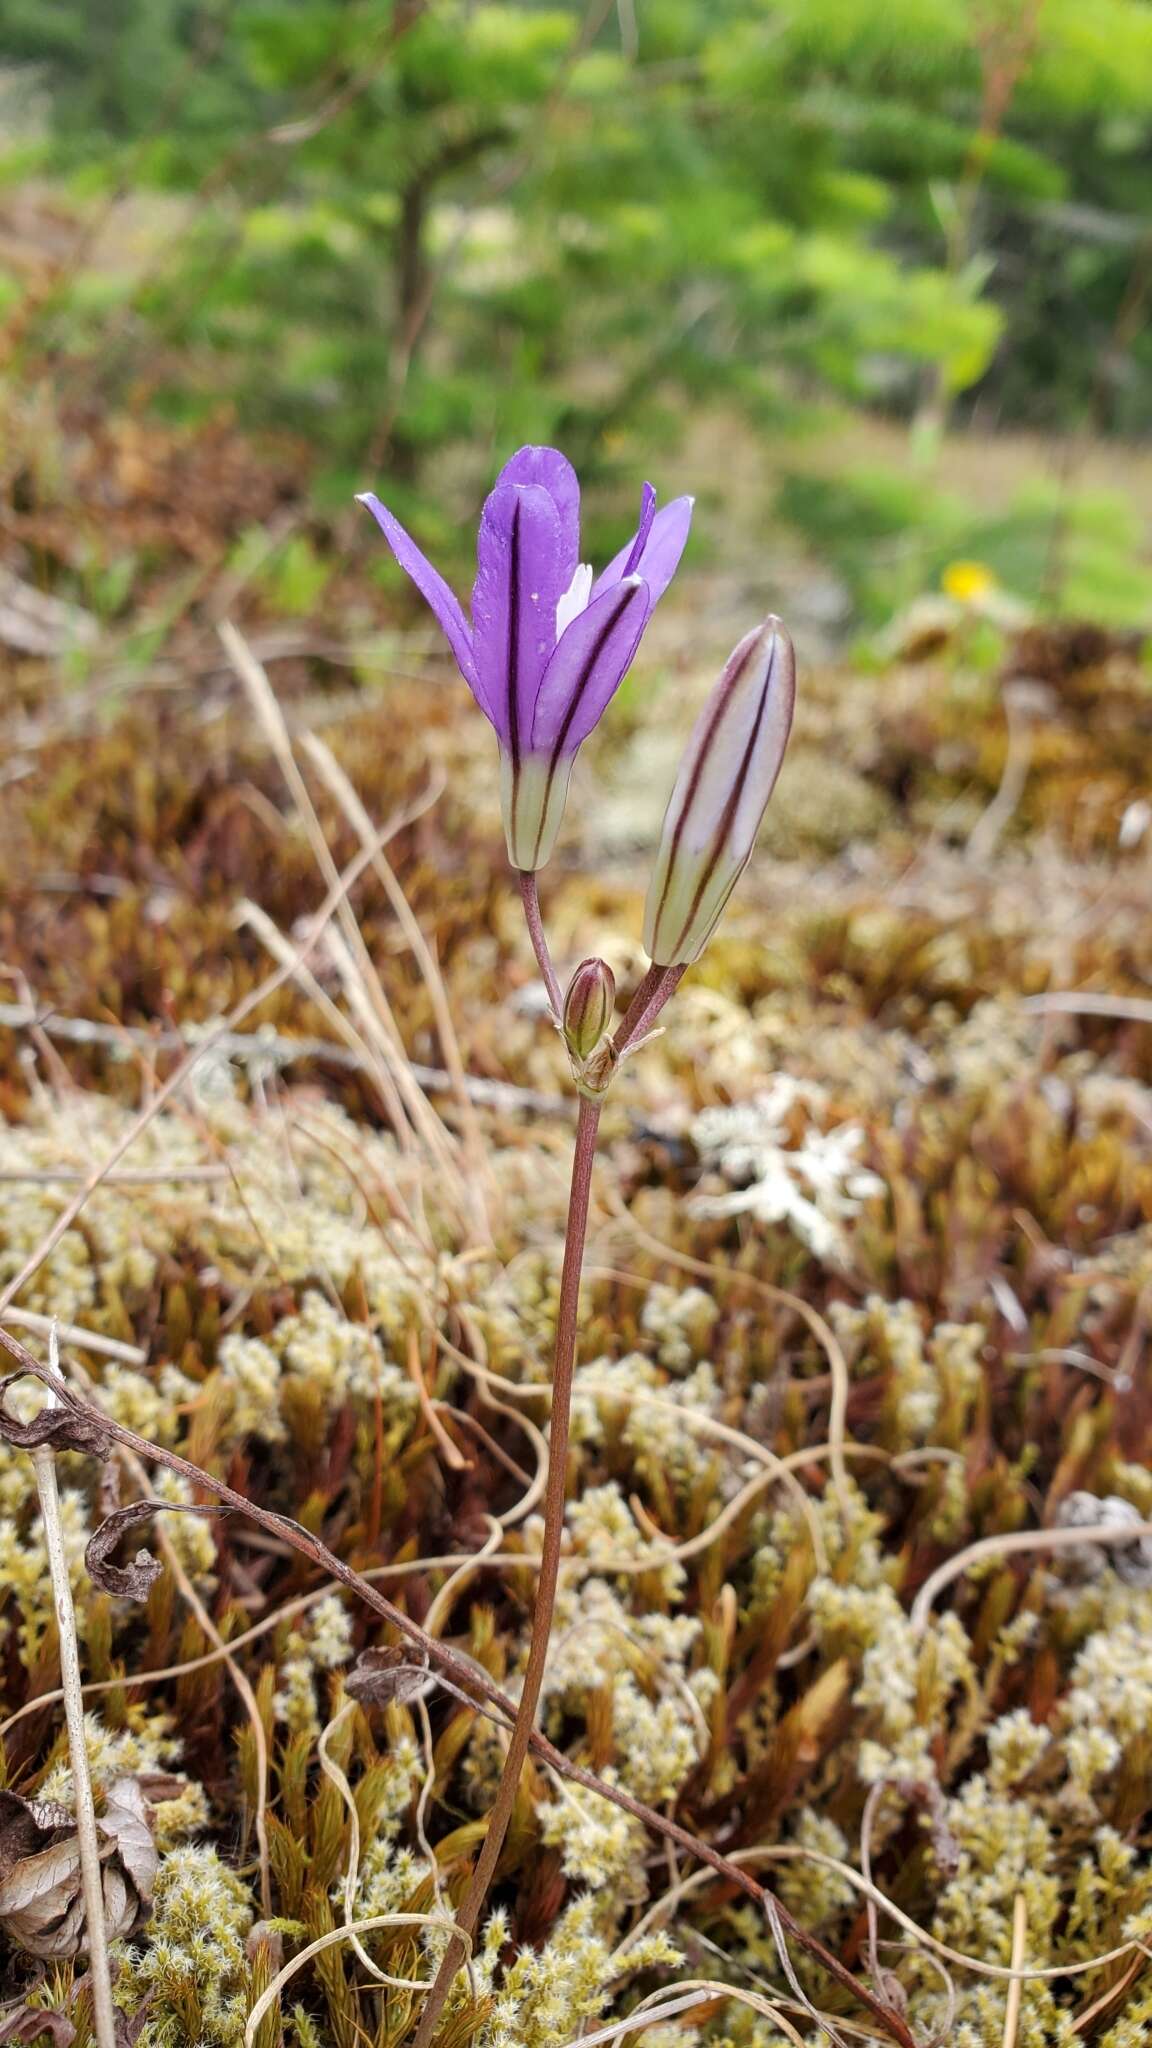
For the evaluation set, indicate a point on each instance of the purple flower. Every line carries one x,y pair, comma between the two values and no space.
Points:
726,777
547,647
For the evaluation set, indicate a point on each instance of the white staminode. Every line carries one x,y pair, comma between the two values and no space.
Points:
575,598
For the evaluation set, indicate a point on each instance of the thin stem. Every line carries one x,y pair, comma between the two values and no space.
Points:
87,1839
658,984
530,898
587,1126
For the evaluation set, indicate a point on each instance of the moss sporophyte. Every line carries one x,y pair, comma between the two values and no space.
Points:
545,652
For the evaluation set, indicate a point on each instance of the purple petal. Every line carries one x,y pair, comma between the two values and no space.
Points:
433,589
590,662
521,575
647,515
660,554
554,474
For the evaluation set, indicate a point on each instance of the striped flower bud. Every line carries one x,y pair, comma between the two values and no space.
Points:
588,1007
726,778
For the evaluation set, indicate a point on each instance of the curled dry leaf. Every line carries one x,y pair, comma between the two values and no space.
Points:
23,2023
130,2025
382,1675
266,1936
1132,1563
41,1901
69,1427
132,1581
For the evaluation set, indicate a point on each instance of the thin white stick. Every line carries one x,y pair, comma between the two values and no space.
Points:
87,1839
1016,1987
71,1333
1071,1002
337,1777
1065,1537
639,2020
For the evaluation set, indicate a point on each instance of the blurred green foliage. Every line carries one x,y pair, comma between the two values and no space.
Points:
891,535
413,229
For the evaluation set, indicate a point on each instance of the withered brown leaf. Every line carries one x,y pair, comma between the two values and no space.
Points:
41,1899
25,2024
133,1581
67,1427
381,1675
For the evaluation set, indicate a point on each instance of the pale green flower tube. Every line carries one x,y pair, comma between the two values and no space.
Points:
726,777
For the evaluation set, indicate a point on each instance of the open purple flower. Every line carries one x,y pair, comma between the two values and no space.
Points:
547,647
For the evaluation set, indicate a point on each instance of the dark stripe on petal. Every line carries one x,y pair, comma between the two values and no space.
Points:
513,655
589,668
586,674
723,699
725,820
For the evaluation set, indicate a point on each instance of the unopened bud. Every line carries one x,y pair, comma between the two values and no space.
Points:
726,778
588,1007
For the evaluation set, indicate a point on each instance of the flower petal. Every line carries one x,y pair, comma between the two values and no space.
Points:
521,575
554,474
575,598
588,666
432,587
660,549
647,515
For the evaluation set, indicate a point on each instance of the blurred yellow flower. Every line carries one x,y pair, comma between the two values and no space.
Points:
967,582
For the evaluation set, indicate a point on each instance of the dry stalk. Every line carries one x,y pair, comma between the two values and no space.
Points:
362,984
349,1931
87,1839
340,786
212,1039
1016,1987
1015,1543
271,1049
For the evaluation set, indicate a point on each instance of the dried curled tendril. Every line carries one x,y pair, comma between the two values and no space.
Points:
69,1426
134,1581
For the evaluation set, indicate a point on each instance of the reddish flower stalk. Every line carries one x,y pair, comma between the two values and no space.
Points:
726,778
653,992
530,898
469,1910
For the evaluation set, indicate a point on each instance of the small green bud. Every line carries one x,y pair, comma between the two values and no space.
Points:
588,1007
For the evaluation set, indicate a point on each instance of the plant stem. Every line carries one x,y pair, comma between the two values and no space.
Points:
657,986
587,1126
87,1839
530,898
